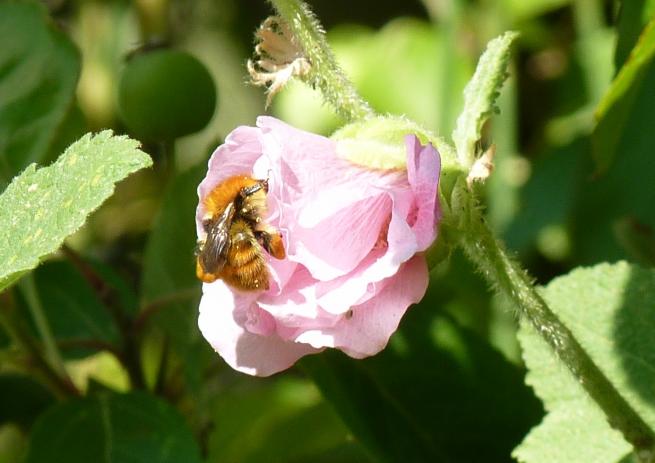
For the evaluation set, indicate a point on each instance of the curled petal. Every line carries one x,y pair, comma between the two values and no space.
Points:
249,352
423,167
366,328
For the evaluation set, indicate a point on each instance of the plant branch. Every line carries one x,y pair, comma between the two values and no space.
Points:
52,354
150,309
128,355
325,73
97,283
510,280
162,372
61,383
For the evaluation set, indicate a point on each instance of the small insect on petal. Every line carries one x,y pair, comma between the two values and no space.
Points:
236,236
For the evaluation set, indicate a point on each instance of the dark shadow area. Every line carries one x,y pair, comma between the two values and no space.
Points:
439,392
634,325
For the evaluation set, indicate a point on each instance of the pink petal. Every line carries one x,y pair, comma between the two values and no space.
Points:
423,169
297,303
280,271
254,354
338,295
372,323
351,236
236,156
335,246
323,200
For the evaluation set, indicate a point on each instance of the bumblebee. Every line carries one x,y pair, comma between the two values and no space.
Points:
237,235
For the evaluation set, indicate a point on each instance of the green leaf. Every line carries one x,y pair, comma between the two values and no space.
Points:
434,394
169,270
269,421
22,399
637,238
134,428
633,16
616,108
42,206
548,197
39,68
480,95
72,309
520,10
608,308
169,263
125,296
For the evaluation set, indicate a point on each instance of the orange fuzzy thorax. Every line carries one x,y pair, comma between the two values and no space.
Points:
227,191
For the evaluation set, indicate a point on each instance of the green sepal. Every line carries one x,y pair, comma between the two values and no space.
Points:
379,142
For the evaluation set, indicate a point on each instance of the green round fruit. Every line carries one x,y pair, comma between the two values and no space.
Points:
165,94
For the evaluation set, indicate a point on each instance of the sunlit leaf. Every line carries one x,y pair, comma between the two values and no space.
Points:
617,107
42,206
480,95
609,309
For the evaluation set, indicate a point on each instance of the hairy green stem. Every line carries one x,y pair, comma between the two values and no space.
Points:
511,281
325,74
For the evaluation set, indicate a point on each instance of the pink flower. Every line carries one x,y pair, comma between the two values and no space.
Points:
354,239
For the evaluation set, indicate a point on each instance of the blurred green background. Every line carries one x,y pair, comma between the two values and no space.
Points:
121,298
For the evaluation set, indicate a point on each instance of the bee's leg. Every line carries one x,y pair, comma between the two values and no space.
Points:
251,190
251,201
271,240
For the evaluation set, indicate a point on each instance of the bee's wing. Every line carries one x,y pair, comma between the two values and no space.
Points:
214,251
